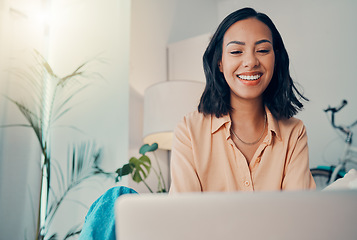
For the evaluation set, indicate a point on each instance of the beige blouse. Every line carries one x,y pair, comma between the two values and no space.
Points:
204,157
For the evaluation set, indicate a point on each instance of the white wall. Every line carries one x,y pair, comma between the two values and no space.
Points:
80,30
97,31
19,149
320,37
83,30
185,58
154,25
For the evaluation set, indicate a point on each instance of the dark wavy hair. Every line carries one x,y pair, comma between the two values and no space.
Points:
281,94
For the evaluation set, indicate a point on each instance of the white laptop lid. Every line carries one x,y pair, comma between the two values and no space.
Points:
248,216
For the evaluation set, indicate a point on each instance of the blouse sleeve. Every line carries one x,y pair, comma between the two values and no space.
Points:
183,173
297,170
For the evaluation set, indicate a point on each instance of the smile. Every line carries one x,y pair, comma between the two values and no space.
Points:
250,77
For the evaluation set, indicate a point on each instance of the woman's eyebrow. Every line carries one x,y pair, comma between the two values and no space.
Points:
243,43
236,42
262,41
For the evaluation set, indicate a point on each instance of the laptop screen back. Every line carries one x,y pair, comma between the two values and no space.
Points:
248,216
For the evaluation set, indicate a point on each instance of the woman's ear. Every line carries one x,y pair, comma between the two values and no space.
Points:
220,66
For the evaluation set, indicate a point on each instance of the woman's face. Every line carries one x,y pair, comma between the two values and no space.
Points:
247,58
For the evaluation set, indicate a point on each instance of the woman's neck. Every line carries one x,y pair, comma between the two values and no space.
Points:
247,113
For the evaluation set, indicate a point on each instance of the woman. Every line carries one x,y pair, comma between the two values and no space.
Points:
243,136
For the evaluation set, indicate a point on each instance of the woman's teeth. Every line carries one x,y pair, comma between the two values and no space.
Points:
249,77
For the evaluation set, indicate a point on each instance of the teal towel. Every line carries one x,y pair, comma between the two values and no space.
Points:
100,220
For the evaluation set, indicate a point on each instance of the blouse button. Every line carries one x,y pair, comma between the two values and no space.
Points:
246,183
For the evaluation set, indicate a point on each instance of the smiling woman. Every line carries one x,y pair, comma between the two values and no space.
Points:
247,59
243,136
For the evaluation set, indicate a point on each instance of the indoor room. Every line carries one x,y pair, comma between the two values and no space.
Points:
92,93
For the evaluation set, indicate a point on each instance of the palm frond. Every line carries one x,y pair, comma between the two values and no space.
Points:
33,106
15,125
83,163
33,119
69,127
47,98
49,94
44,63
54,198
59,177
77,201
64,100
75,230
53,237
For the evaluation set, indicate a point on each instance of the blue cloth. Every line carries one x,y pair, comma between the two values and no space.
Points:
100,220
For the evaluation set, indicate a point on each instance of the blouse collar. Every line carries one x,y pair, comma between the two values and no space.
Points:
273,126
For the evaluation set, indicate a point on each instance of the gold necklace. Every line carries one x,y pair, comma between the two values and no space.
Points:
256,141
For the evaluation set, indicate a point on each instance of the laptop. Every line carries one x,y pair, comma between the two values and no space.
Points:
248,216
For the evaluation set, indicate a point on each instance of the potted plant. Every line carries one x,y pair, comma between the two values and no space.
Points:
47,100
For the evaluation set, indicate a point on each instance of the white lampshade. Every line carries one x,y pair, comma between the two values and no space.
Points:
165,104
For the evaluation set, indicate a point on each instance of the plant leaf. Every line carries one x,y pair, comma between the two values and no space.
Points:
123,171
53,237
83,163
75,230
44,63
141,168
148,148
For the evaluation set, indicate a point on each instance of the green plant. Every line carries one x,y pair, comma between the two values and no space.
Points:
46,100
82,163
139,168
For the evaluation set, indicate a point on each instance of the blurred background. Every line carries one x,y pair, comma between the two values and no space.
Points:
131,45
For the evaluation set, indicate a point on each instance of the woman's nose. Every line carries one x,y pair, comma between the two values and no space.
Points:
250,60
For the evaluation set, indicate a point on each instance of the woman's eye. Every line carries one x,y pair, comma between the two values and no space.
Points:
236,52
263,51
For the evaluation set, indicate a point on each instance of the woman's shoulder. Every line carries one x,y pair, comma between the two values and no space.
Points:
290,125
195,120
292,121
284,125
